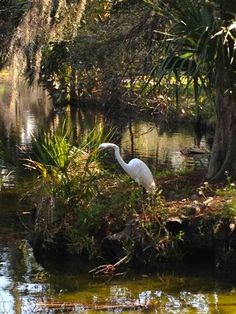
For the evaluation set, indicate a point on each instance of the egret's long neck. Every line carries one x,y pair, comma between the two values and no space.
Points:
123,164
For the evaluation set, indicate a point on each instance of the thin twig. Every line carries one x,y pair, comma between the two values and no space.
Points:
109,268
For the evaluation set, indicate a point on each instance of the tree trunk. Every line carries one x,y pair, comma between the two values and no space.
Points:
223,155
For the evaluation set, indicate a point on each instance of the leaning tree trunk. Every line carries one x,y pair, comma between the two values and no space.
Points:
223,154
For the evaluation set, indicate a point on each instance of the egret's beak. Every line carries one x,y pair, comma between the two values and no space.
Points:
101,147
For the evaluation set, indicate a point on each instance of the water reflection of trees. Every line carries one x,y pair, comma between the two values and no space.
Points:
21,111
22,288
24,110
143,139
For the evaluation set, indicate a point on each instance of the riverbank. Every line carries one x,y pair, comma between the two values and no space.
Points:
61,286
191,221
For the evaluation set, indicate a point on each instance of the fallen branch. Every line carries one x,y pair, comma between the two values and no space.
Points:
109,268
68,306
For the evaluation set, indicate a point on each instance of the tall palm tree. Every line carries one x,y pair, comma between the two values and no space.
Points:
204,32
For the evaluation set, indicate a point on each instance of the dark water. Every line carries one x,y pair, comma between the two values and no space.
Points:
27,287
22,112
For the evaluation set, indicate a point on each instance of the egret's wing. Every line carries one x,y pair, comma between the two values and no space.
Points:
140,172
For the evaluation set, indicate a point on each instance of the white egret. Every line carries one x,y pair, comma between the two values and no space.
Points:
136,168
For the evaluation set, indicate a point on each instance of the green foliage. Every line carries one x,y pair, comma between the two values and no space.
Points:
53,150
154,240
84,203
228,193
5,178
200,33
69,184
40,23
63,165
11,12
79,243
112,48
230,189
229,210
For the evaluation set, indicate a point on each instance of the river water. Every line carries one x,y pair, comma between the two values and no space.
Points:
60,287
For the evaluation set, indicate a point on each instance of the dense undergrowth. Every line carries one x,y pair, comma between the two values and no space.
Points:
82,209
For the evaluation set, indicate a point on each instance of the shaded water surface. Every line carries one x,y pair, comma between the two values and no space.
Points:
27,287
24,111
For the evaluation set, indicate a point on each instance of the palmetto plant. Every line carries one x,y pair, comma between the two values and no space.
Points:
67,189
52,152
188,27
64,167
204,32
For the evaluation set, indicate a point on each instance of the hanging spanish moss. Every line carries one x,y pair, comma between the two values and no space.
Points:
42,22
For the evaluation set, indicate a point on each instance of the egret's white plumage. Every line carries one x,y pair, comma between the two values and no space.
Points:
136,168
